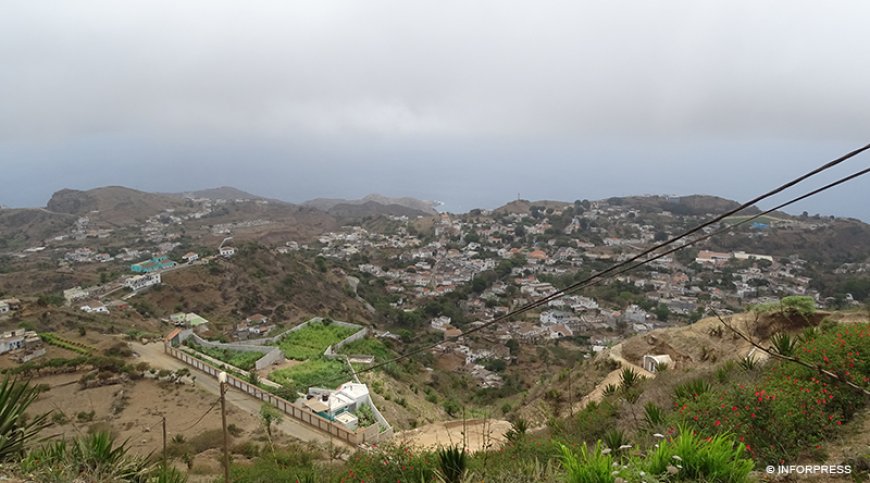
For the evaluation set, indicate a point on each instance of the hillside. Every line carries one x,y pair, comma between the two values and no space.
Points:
219,193
26,227
416,206
283,287
115,204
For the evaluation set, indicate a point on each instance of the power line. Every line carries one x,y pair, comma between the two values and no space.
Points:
610,271
730,227
200,418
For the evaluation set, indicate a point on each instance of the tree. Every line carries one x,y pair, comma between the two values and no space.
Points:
269,415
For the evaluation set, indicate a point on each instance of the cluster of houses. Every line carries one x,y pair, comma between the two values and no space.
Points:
9,305
22,344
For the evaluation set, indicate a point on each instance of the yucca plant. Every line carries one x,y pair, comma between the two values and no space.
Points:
17,431
518,430
653,415
97,454
615,439
609,390
784,344
691,390
452,464
749,363
628,379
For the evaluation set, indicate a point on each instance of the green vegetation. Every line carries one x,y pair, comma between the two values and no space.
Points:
317,372
55,340
370,347
313,339
242,360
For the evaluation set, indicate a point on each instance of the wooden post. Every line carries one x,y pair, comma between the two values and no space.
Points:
222,377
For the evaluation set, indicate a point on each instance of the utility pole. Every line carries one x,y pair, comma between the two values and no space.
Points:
570,395
222,377
164,442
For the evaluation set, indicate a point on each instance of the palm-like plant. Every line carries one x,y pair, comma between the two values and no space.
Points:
16,429
452,464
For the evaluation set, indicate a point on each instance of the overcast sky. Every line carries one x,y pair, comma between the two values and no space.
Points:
467,102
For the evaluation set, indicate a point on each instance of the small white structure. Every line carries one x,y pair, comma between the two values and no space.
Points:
190,257
139,282
94,308
228,252
652,363
348,420
4,307
75,293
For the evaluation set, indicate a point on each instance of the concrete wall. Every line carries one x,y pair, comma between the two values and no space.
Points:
275,356
294,411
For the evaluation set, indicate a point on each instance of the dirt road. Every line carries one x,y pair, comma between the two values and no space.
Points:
476,434
153,354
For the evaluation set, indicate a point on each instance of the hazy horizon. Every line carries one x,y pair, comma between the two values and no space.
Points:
468,104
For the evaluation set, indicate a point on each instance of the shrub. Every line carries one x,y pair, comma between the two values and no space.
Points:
790,410
391,462
689,457
589,466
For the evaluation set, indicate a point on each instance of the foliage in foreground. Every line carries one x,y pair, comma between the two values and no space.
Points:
17,430
96,457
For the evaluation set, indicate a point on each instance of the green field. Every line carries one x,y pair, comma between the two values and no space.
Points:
368,347
316,372
310,341
240,359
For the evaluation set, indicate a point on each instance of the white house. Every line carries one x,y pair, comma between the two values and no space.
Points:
139,282
17,339
349,397
190,257
228,252
652,363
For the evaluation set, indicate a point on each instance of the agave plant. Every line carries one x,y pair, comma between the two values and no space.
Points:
609,390
784,344
629,378
452,464
692,389
17,431
749,363
653,415
518,430
98,457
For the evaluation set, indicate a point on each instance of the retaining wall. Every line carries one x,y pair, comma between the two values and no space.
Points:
293,410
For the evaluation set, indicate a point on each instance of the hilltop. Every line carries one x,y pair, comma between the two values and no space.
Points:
372,201
115,204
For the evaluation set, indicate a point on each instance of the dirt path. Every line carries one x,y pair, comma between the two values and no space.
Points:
614,377
478,434
153,354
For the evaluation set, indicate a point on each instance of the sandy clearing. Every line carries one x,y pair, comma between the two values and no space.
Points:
477,434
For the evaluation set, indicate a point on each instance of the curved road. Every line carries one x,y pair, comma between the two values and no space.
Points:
153,354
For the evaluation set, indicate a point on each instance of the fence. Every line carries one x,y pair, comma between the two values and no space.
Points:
293,410
271,354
